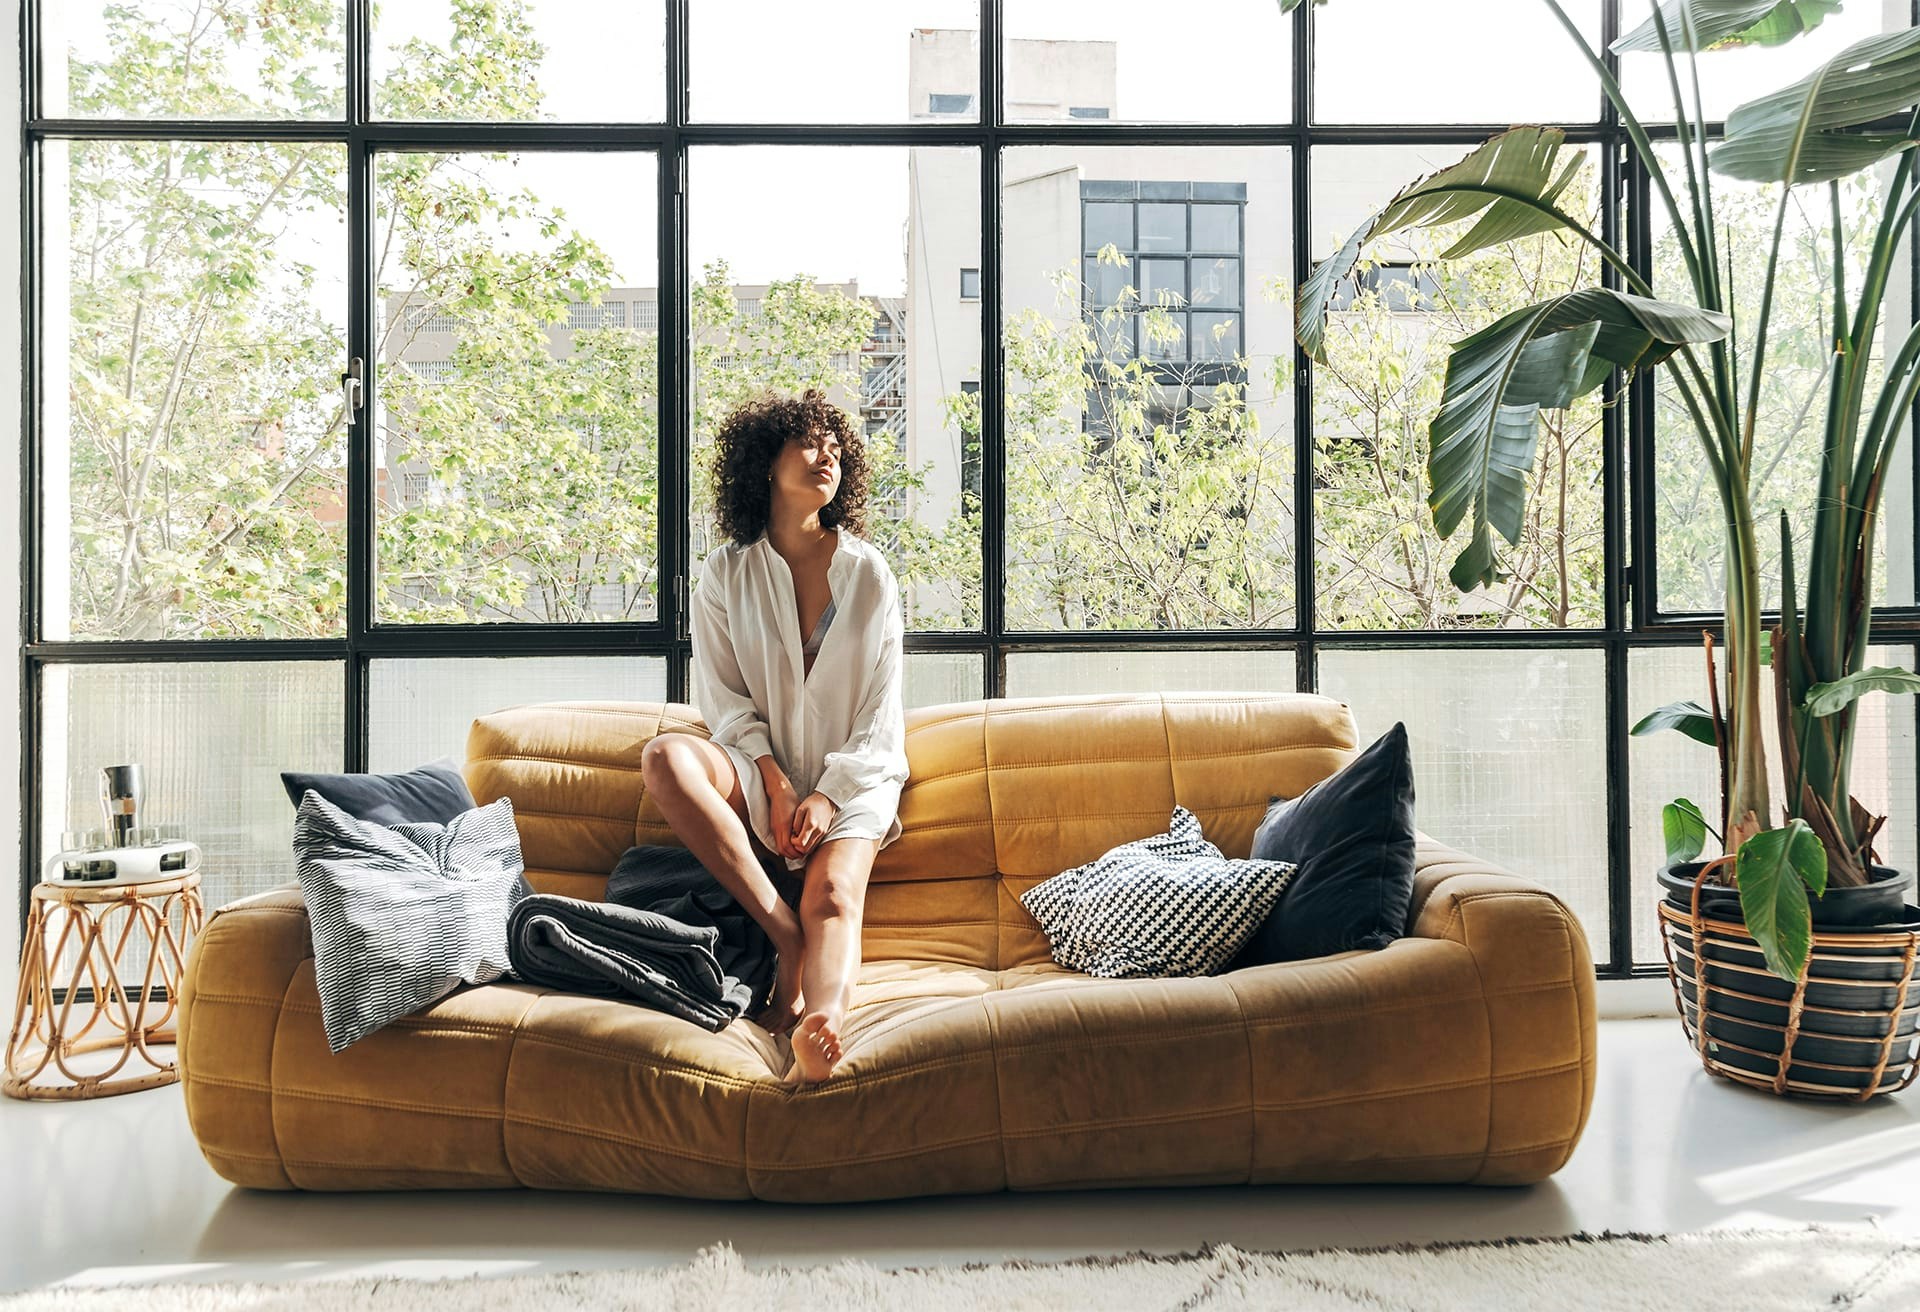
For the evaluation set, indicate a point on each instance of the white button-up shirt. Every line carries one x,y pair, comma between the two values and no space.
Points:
839,729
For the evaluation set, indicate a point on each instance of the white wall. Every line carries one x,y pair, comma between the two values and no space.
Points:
10,497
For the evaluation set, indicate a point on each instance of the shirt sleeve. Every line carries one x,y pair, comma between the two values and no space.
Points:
719,689
875,753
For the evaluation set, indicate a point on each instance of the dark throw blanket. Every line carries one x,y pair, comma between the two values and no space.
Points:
669,936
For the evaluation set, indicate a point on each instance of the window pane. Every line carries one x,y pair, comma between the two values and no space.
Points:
1064,673
1216,227
1509,756
762,319
1163,282
1117,518
1789,431
193,332
1134,61
1381,564
144,59
934,678
420,710
1413,61
1664,766
211,739
847,61
1731,76
547,60
1215,336
516,424
1163,227
1216,282
1108,223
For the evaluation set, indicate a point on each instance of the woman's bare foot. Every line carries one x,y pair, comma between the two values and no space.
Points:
816,1046
786,1004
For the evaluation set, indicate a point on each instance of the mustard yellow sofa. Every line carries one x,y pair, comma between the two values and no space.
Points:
1462,1052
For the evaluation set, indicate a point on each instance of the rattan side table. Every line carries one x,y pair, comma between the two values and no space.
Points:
91,927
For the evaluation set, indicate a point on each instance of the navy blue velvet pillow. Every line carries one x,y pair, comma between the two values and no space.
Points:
429,794
1351,835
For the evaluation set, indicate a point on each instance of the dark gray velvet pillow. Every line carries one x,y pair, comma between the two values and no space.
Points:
1351,835
429,794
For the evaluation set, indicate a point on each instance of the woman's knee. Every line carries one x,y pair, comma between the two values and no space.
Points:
836,884
667,763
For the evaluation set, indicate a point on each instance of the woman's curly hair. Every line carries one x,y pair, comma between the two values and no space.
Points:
751,438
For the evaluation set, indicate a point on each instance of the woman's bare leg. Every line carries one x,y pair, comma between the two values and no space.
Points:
699,793
831,911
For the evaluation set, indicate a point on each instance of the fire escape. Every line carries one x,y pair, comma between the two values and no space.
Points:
883,370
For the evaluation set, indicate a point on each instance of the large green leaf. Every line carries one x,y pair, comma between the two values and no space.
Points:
1776,869
1482,440
1520,163
1684,828
1690,718
1723,24
1810,131
1826,698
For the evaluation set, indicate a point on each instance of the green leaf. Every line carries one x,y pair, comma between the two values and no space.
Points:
1481,443
1685,830
1775,869
1809,131
1523,162
1690,718
1726,24
1826,698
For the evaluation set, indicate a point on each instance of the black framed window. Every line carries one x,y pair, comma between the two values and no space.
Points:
407,416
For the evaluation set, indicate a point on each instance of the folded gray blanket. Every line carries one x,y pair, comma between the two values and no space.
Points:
669,936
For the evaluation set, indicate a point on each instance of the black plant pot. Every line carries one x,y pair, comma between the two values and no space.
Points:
1881,901
1858,987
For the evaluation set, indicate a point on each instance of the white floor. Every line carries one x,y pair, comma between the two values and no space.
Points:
115,1191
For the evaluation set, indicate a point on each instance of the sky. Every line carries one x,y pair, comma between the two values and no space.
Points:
840,211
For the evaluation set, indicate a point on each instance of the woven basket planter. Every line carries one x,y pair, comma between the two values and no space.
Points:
1846,1029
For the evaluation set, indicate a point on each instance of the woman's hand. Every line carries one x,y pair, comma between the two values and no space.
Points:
782,804
811,819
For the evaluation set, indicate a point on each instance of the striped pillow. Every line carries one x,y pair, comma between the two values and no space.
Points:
403,914
1169,904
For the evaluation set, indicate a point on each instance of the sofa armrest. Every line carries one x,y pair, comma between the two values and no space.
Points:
1536,975
238,971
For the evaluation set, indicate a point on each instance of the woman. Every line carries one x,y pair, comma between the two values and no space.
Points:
797,629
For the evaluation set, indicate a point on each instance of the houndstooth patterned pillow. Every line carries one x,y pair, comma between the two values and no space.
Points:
403,914
1169,904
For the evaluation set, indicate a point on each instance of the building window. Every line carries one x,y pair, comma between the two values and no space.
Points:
609,314
1086,111
1399,286
1184,243
646,316
940,102
969,284
430,319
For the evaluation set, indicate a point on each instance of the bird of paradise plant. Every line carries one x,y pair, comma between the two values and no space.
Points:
1842,117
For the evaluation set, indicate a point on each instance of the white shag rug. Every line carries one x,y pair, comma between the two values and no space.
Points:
1749,1270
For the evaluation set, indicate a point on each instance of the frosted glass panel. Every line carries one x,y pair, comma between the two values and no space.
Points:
211,740
1666,765
937,677
1053,673
1509,756
421,710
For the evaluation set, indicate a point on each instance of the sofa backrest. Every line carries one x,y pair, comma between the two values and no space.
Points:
1001,794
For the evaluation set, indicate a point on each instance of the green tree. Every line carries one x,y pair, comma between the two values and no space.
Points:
1380,562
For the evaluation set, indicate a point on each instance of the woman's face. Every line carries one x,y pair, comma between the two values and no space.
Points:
809,471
